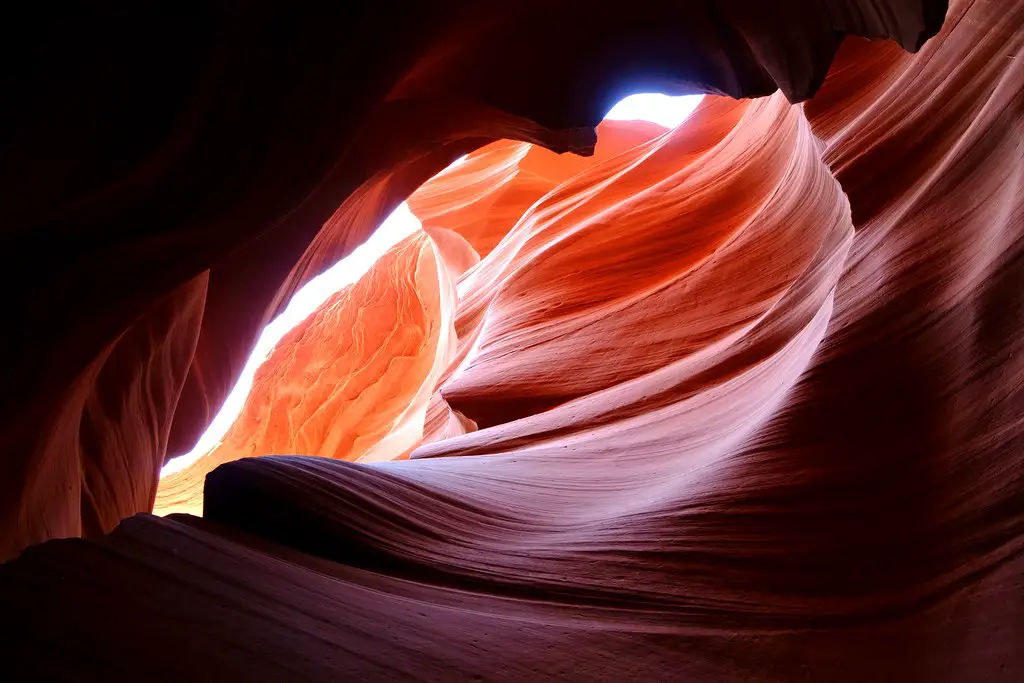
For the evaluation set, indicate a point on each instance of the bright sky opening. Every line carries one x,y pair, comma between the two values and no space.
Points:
664,110
660,109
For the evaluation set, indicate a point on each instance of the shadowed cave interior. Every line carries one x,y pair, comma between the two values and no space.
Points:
736,398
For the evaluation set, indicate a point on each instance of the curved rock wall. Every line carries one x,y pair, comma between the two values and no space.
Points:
157,150
740,403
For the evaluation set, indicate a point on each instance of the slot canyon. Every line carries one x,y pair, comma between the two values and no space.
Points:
358,344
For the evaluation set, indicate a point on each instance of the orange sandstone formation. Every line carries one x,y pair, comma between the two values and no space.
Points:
163,158
627,269
485,194
351,381
741,401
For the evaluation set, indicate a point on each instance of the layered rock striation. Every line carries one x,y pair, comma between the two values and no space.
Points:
740,400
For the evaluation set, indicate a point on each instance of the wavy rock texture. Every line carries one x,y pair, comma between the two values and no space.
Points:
157,150
487,192
741,403
352,380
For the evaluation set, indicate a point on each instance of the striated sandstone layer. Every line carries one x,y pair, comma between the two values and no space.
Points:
351,381
743,402
485,194
181,171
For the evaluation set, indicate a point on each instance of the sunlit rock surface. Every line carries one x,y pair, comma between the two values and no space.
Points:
351,381
170,149
742,402
481,196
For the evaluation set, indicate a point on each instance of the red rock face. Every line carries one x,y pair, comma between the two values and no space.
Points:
232,152
739,402
627,269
